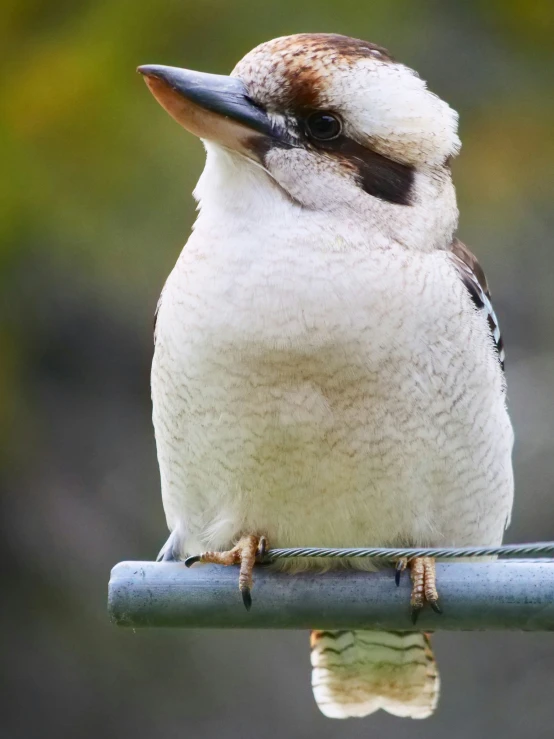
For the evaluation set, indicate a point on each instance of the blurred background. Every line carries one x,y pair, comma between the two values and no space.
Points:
95,206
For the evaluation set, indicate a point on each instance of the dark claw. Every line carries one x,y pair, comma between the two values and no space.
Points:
435,606
415,611
246,597
398,573
189,561
262,549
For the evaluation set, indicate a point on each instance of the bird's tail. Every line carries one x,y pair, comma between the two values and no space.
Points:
357,672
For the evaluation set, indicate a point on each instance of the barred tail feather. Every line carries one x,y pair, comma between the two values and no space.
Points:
357,672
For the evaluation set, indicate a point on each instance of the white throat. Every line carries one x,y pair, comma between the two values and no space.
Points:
236,194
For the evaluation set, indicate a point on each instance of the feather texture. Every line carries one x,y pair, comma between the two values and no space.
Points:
358,672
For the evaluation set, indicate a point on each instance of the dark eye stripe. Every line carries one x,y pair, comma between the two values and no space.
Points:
378,175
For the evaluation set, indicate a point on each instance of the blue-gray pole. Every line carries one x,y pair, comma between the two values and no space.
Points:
507,594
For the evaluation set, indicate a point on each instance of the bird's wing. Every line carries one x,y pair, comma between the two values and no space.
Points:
475,281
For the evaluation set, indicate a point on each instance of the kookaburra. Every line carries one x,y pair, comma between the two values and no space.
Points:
328,368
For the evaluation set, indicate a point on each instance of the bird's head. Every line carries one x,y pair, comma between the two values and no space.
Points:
329,118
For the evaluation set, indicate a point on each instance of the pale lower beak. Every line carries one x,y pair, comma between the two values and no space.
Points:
211,106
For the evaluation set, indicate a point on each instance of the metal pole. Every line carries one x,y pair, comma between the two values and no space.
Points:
511,594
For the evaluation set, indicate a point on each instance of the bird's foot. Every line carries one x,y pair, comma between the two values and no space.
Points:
424,586
247,551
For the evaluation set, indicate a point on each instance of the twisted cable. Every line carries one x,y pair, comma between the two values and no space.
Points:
520,551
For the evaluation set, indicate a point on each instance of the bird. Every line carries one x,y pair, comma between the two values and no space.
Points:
328,365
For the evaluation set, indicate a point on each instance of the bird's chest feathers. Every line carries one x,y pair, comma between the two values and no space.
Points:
282,379
301,333
301,299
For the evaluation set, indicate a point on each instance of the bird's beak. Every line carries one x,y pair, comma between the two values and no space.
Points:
211,106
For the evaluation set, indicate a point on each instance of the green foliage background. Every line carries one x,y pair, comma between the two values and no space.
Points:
94,207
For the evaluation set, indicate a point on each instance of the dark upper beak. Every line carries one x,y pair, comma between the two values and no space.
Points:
211,106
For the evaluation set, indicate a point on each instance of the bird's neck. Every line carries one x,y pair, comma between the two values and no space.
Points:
237,195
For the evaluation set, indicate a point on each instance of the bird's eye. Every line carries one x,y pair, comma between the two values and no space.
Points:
323,126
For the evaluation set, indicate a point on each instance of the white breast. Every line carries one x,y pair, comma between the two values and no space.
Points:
326,394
